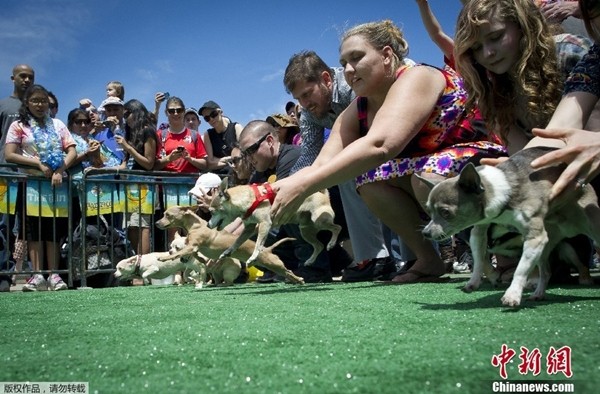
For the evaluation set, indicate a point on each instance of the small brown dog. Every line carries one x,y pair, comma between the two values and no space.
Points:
253,204
223,274
212,243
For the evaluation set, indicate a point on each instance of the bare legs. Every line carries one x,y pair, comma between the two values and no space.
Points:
36,254
140,239
395,203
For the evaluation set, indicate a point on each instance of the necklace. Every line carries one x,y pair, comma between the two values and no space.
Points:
48,143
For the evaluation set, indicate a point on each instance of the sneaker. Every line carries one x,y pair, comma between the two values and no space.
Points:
36,283
314,275
270,277
369,270
464,265
56,283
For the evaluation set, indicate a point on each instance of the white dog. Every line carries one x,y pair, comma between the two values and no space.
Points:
148,266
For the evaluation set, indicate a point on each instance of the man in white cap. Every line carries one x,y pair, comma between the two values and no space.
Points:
113,109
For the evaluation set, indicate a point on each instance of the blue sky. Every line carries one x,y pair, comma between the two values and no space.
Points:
232,52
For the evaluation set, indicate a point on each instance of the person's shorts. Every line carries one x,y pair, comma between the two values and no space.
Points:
136,219
46,229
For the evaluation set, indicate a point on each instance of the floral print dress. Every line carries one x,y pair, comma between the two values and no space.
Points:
443,146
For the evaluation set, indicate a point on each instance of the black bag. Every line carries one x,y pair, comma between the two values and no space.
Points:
101,243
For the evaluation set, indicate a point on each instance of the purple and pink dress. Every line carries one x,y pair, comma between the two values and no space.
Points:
444,145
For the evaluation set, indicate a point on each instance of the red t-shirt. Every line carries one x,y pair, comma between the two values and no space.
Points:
172,141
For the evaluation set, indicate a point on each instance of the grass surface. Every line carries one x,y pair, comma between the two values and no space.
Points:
333,338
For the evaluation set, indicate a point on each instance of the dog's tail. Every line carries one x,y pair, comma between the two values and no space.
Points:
276,244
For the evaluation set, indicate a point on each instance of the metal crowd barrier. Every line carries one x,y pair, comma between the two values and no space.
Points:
96,203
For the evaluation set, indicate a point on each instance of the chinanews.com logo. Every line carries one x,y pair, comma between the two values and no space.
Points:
533,362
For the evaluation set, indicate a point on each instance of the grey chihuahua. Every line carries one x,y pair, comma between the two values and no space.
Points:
515,196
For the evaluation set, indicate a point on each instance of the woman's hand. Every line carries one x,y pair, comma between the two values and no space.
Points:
93,148
558,11
175,155
123,143
45,170
57,178
492,161
582,156
290,194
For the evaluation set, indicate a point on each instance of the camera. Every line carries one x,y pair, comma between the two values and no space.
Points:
107,123
167,95
180,149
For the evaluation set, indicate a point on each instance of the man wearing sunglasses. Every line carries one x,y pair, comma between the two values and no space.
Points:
272,160
113,125
323,94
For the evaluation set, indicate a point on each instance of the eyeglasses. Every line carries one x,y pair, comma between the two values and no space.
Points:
212,115
38,101
81,121
254,147
174,111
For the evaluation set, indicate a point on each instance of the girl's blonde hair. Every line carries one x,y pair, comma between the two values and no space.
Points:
381,34
119,88
535,77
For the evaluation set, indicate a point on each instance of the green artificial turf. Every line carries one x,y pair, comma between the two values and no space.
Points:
332,338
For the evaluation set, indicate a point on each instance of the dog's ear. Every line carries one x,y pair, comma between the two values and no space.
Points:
430,183
224,184
177,235
223,188
469,180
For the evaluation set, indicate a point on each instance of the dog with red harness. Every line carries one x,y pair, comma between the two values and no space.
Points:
253,204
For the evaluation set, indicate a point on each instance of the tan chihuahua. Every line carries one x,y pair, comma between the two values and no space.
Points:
253,204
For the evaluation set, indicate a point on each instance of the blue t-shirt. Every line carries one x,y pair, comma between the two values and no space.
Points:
111,153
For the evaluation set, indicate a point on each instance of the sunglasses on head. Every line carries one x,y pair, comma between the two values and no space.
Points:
254,147
212,115
174,111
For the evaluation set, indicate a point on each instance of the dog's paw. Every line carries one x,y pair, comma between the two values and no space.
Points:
511,299
472,285
494,278
178,280
537,297
198,286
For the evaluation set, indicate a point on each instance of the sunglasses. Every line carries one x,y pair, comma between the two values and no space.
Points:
81,121
212,115
174,111
254,147
126,114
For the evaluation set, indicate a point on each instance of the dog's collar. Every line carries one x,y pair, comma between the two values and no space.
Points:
259,197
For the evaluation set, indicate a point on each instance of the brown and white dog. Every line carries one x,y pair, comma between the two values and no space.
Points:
211,243
513,195
253,204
